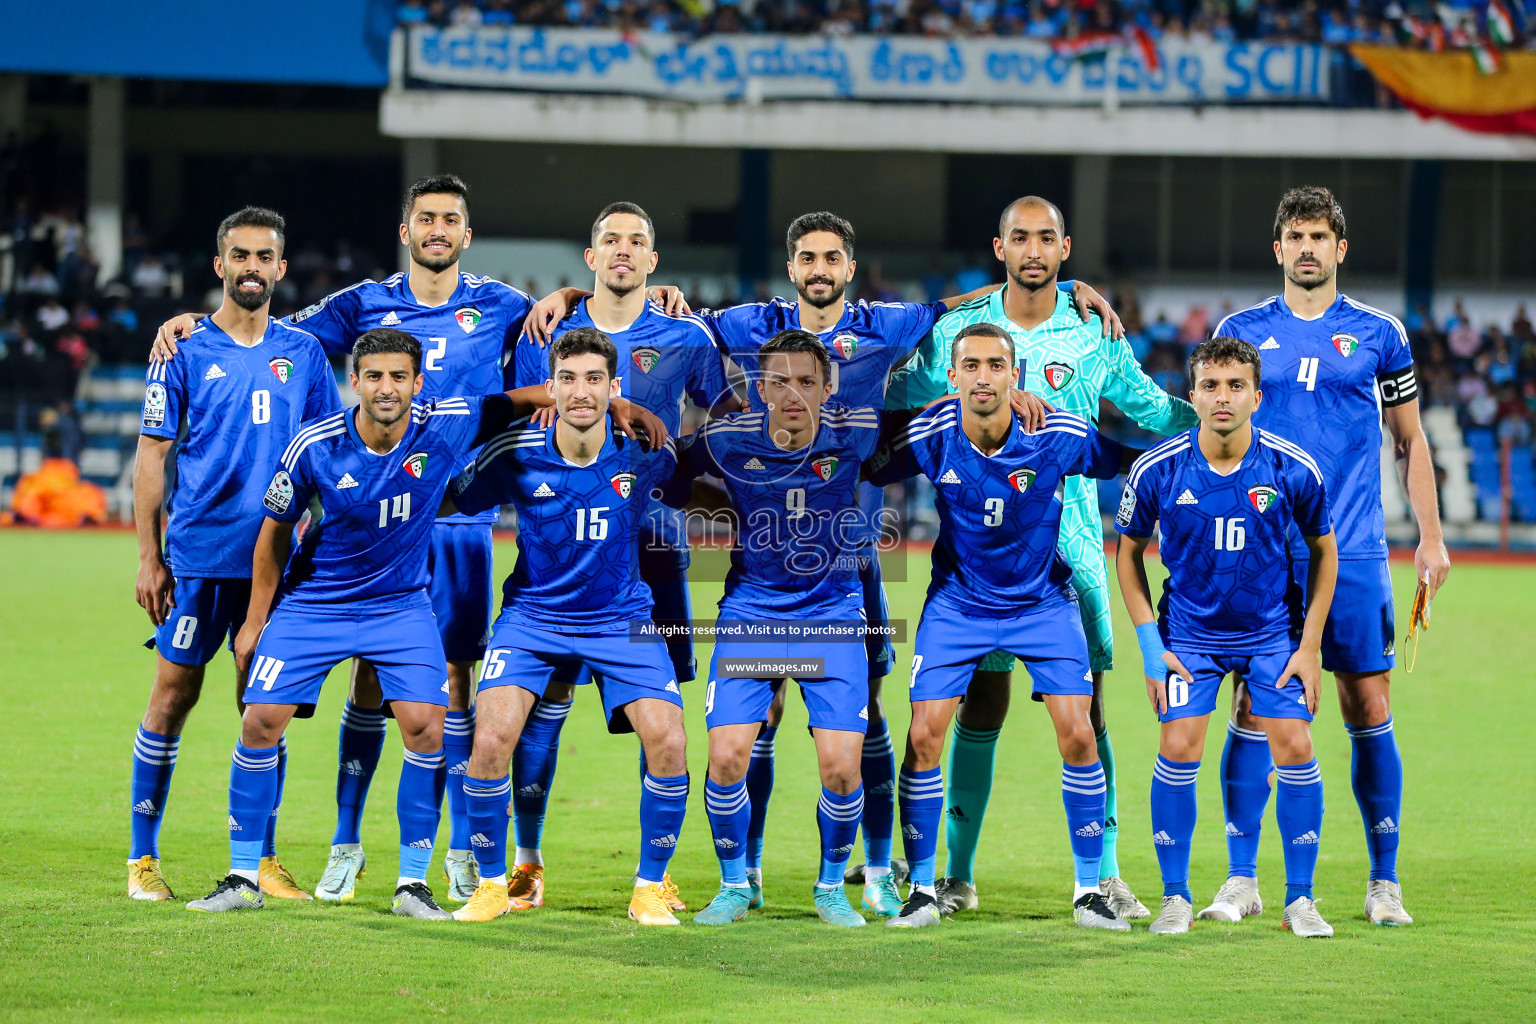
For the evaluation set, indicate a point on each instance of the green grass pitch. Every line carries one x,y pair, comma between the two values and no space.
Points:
73,682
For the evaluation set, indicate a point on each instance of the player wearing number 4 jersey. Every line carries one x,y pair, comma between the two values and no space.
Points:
575,597
999,584
1224,497
235,405
1333,369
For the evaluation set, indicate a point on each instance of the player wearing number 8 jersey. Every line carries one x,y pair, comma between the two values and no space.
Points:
1334,369
1224,497
234,404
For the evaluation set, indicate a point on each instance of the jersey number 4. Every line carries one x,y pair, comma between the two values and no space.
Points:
1308,373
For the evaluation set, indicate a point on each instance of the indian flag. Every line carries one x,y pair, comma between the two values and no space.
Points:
1501,23
1485,57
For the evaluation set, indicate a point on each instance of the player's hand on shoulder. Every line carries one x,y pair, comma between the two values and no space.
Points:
670,298
544,418
155,590
1088,301
638,424
540,322
1030,408
179,326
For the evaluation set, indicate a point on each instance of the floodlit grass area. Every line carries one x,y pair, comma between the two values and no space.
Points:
73,682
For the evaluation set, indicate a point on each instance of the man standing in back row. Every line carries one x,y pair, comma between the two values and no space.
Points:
1071,365
1333,368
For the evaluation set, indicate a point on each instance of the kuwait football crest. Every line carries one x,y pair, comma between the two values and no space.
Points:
468,317
825,466
1022,478
1346,344
1263,497
646,358
282,368
845,345
623,483
1057,375
416,464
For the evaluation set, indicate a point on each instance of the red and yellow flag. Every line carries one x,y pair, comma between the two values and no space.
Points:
1451,86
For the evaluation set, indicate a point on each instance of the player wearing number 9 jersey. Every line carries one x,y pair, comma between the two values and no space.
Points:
234,403
1225,496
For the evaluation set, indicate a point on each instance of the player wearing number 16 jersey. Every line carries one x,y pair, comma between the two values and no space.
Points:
1334,368
1224,497
234,404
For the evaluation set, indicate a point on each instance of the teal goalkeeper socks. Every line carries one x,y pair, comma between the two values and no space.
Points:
1109,864
971,755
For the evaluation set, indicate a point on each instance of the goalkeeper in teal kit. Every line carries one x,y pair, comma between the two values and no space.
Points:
1072,365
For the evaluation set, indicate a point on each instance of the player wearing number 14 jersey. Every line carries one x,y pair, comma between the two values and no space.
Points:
234,403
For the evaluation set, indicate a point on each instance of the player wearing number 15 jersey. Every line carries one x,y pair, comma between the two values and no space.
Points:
575,597
1334,368
234,403
1225,496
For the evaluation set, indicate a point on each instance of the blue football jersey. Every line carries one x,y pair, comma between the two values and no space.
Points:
373,513
1223,539
798,517
464,342
999,515
240,407
663,362
578,527
869,341
1324,382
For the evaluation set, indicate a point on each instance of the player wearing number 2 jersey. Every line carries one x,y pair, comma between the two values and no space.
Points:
1333,369
234,403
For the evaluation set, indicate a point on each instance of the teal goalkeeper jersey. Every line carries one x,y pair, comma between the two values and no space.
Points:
1072,365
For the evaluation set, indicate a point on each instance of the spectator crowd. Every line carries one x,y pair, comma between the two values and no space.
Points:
1417,23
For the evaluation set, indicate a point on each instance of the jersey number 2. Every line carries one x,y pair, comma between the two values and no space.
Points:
437,351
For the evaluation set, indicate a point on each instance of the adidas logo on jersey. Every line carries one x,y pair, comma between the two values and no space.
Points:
1389,650
1187,498
1090,830
478,839
421,844
1269,344
345,481
544,491
531,791
1233,830
726,844
353,767
462,768
234,826
390,319
1310,839
666,842
864,712
147,806
671,687
1385,825
1162,838
949,477
910,831
214,373
754,463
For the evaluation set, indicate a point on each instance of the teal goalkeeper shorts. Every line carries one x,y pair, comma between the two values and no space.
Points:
1098,626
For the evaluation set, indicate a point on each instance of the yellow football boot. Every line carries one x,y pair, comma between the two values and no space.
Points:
648,906
145,881
488,902
669,892
277,881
